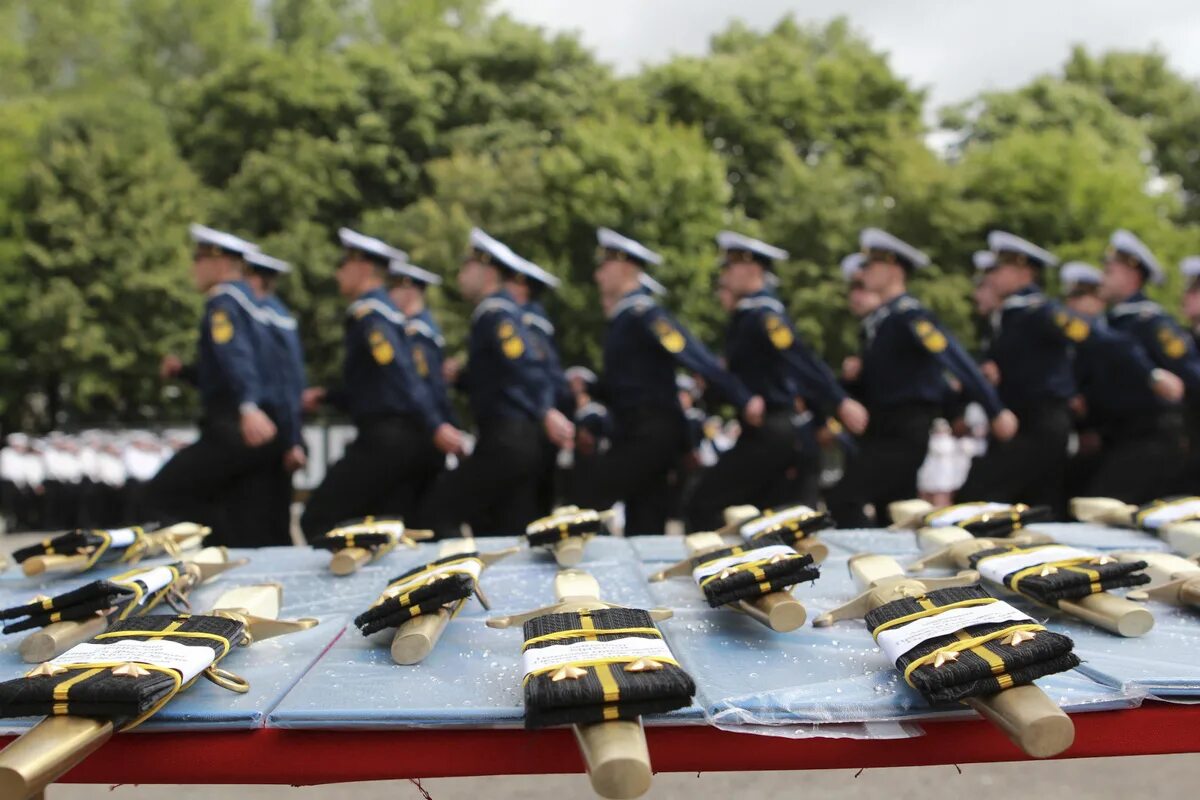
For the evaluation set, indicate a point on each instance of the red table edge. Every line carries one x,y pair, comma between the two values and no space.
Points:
309,757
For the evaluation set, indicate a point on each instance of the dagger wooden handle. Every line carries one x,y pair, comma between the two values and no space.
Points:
348,560
53,563
1029,718
59,637
569,552
45,752
416,638
1112,613
616,757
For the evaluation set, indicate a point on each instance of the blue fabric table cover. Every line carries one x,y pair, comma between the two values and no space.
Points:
272,667
473,677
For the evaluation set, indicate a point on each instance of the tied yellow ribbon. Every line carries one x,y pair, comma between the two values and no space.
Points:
416,577
1014,515
129,580
973,644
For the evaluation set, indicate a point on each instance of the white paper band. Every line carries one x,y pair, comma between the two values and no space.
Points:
895,642
153,580
952,515
994,568
757,554
470,566
395,528
756,526
1174,512
122,537
542,659
188,660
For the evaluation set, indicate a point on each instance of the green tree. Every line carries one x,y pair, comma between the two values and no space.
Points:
104,256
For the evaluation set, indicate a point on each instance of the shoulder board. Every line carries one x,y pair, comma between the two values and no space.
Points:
1023,301
1142,308
541,323
279,319
495,304
418,327
639,304
756,303
370,305
256,312
909,304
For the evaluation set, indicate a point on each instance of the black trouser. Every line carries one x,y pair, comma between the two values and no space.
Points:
547,479
495,489
382,473
636,469
1187,480
1140,459
1029,468
885,468
754,472
221,482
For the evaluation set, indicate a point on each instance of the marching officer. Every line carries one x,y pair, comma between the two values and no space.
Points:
1128,267
1030,348
1125,449
642,349
287,362
407,285
224,479
1189,476
512,400
402,433
764,351
527,288
902,383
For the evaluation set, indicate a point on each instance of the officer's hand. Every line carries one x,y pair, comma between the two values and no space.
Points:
169,367
452,369
990,371
295,458
585,442
560,429
257,428
1167,385
851,368
1090,443
448,439
853,415
1078,406
1004,426
311,399
754,411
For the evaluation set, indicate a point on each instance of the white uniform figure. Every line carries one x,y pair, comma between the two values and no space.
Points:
940,474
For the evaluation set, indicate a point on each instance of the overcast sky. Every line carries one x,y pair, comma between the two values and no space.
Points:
954,48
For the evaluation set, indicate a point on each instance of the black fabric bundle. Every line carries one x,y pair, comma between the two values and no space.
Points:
392,611
118,698
972,674
563,525
582,700
368,540
1003,523
793,529
745,582
72,543
117,593
1069,582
